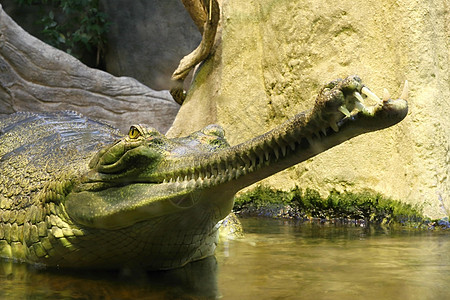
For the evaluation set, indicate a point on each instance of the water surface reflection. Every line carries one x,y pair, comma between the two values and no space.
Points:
276,260
198,280
291,260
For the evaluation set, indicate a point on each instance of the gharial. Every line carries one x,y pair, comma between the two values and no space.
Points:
75,194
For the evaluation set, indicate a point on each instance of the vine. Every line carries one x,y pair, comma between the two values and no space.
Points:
72,25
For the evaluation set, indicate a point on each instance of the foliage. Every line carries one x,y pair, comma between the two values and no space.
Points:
366,205
72,25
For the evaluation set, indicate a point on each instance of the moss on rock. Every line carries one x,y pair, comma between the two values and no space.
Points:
367,206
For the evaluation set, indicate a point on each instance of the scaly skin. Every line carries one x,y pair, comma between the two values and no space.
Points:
146,200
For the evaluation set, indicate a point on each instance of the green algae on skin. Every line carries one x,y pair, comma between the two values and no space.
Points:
367,206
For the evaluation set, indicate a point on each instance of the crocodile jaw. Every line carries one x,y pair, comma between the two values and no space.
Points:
297,140
261,159
120,207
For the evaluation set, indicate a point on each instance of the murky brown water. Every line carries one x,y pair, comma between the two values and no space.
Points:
284,260
276,260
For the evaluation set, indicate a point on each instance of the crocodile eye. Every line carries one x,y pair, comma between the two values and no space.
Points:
134,133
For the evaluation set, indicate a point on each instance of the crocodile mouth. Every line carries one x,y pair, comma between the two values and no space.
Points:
132,195
217,171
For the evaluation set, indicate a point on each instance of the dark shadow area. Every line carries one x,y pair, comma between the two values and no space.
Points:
197,280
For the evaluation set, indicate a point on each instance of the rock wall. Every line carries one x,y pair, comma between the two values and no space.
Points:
147,39
37,77
275,54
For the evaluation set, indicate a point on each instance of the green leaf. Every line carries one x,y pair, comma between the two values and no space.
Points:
61,38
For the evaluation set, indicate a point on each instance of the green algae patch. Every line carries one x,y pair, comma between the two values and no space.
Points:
367,206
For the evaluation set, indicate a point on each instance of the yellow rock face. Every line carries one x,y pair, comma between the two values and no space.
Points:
272,57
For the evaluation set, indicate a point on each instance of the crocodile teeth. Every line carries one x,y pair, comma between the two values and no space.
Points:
405,91
261,158
334,126
360,106
232,174
191,183
344,110
205,182
276,152
386,95
292,145
199,182
370,94
266,153
184,184
359,102
214,171
358,97
324,131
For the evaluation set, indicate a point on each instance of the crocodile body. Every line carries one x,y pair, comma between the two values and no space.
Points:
74,193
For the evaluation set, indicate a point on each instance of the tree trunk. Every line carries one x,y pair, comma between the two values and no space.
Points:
37,77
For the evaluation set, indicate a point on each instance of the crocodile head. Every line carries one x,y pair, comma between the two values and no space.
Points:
146,175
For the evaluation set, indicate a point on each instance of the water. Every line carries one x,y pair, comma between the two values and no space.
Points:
276,260
287,260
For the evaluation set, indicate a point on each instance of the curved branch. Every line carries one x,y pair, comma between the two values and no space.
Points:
196,10
208,36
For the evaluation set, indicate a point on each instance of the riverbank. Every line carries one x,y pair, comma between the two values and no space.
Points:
359,208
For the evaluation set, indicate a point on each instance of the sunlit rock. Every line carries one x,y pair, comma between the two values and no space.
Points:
274,55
